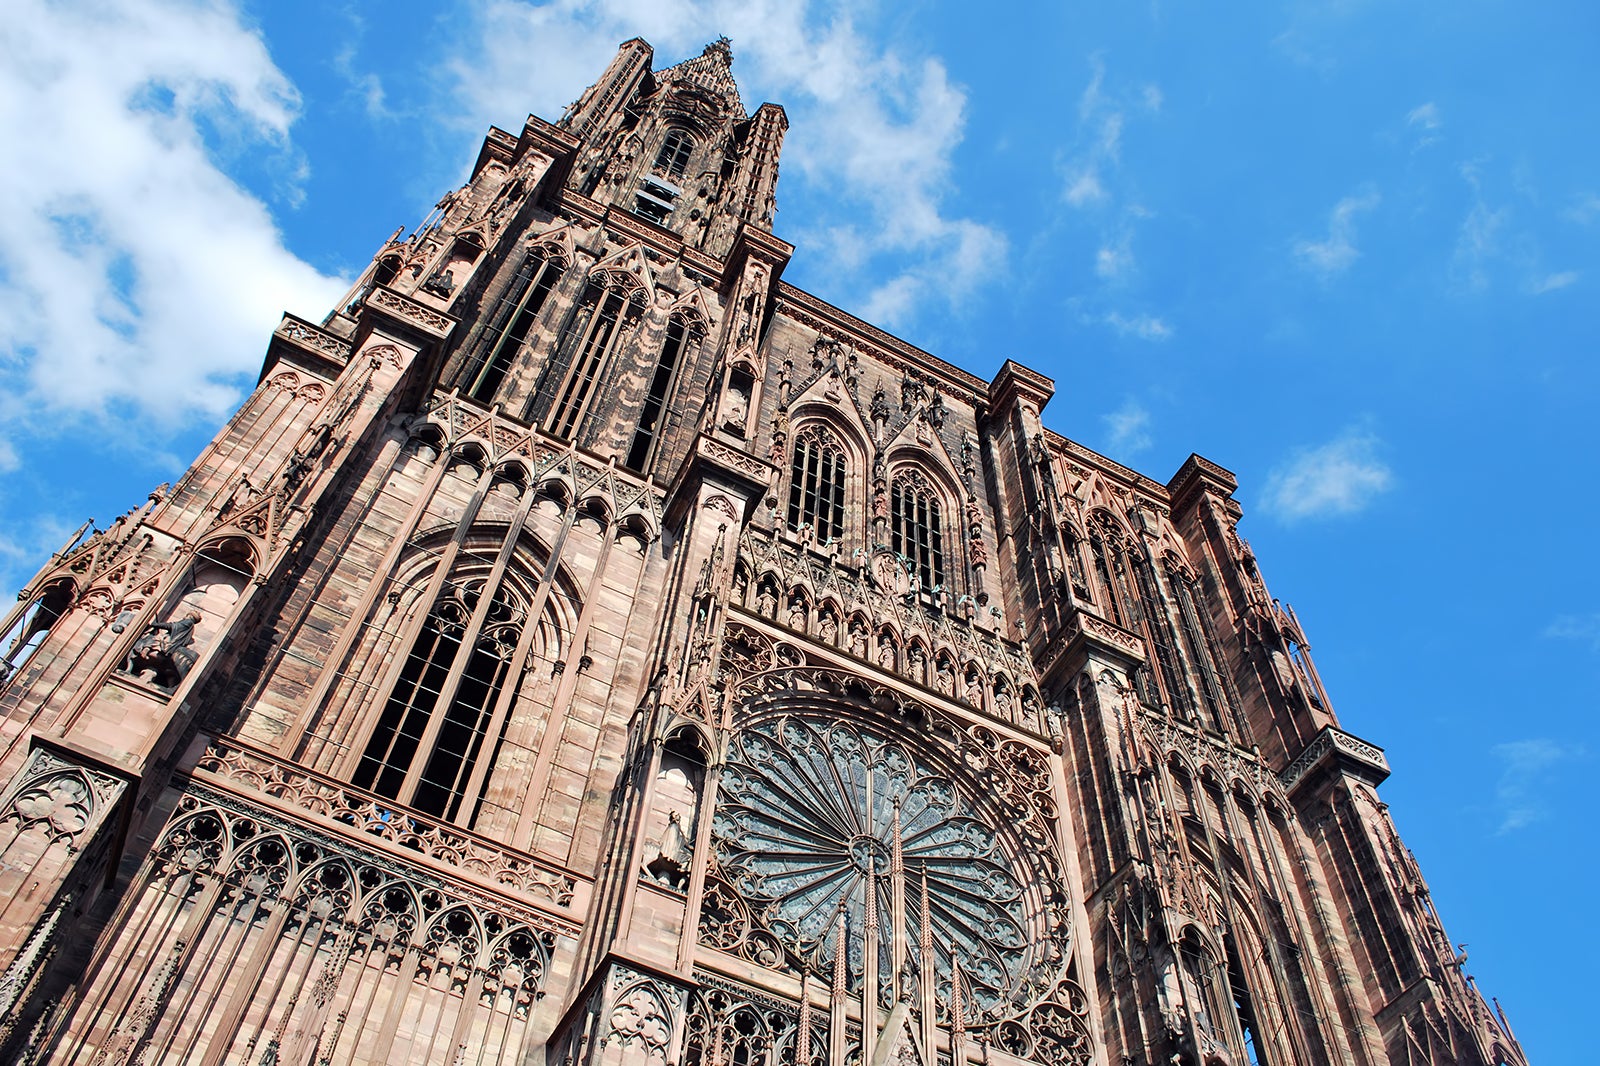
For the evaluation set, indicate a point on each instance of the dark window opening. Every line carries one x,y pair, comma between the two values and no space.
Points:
673,158
916,531
512,324
816,485
1244,1008
655,400
454,736
596,334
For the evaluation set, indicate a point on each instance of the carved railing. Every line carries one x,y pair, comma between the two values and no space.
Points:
308,336
860,591
1335,744
425,318
241,764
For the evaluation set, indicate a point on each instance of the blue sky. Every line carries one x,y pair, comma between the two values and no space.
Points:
1346,249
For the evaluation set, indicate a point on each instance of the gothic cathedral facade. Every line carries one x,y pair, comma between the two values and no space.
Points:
584,648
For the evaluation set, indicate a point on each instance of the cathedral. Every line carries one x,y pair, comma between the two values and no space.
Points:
584,648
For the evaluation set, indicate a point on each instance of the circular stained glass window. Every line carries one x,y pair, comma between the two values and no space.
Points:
807,807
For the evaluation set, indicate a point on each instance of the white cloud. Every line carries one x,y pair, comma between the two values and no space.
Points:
1526,765
1584,210
136,276
1084,188
1585,628
1424,122
1143,326
1553,282
1113,261
1338,478
1128,428
1335,254
1424,116
875,127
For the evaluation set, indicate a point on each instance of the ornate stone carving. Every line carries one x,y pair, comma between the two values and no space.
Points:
429,320
308,336
1333,743
241,765
59,797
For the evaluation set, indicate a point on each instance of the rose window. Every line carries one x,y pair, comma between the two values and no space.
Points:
807,806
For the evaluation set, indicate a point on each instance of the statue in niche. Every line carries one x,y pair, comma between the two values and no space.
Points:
736,407
945,681
767,602
1002,702
827,628
1030,708
441,283
886,652
797,615
858,640
165,651
974,693
880,413
670,867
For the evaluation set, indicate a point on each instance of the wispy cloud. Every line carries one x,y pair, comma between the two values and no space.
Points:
876,127
1098,190
1525,766
1143,326
1584,210
1580,627
1341,477
1553,282
136,276
1128,428
1336,253
1425,123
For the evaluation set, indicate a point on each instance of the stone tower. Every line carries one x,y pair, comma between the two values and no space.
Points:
584,648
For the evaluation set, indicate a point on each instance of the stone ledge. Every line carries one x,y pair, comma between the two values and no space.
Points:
1334,748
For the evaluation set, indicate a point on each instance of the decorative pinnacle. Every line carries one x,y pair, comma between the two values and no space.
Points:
723,49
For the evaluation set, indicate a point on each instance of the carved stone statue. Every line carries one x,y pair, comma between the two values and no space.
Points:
166,651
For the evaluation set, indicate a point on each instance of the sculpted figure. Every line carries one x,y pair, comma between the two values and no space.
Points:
166,649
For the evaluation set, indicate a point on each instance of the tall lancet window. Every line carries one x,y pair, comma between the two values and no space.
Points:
915,529
673,159
510,325
682,337
430,739
592,338
816,484
1244,1007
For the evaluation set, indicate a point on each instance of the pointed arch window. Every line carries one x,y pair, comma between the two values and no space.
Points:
915,528
1244,1007
816,484
510,325
683,335
673,159
428,748
591,340
31,626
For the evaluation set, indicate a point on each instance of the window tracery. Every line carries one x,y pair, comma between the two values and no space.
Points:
683,337
809,806
817,473
436,738
589,344
916,530
673,158
511,324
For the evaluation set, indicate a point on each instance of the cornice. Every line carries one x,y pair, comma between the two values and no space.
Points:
1131,479
808,310
1335,750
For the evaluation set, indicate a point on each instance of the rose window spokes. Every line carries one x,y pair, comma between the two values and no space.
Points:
807,807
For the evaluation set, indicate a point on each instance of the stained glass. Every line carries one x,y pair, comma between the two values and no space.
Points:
807,807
